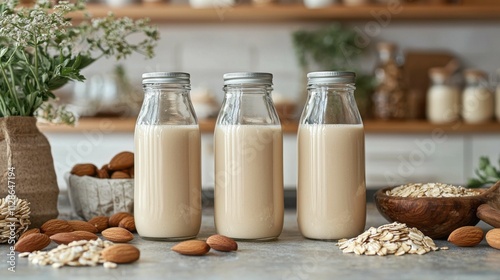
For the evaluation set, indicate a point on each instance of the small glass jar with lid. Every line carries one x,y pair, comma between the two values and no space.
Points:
167,182
477,100
443,98
389,99
248,160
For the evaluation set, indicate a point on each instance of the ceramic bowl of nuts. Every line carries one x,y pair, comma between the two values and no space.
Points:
435,209
102,191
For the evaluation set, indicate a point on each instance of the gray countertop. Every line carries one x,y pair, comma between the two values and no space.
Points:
289,257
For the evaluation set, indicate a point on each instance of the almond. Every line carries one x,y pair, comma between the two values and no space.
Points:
82,226
32,242
54,226
192,248
102,174
489,215
493,238
117,234
100,222
120,175
84,169
116,218
121,253
222,243
128,223
123,160
68,237
467,236
28,232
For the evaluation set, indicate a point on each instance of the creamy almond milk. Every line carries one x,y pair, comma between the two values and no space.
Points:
331,187
167,195
249,181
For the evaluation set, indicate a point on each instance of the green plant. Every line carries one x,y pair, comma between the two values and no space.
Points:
332,48
486,173
41,50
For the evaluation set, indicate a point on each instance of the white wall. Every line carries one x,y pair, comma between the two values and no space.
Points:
209,50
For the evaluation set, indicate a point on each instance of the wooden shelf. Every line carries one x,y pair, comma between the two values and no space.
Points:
295,12
126,125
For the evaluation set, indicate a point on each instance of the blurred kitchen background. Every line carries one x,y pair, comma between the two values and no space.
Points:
387,42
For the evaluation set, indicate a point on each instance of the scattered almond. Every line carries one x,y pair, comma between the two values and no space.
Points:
32,242
467,236
82,226
54,226
28,232
120,175
192,248
123,160
128,223
117,234
68,237
493,238
116,218
121,253
489,215
100,222
222,243
84,169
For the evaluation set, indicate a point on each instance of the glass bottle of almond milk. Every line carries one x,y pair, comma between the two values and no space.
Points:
331,189
167,191
248,160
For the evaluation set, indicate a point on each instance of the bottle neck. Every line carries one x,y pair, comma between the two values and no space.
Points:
248,89
248,104
167,104
331,104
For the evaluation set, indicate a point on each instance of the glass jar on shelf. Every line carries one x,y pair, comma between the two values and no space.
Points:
389,100
477,100
443,98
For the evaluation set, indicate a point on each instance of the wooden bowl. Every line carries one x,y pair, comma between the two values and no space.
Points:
435,217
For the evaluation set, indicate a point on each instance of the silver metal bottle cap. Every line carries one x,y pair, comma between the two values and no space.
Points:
166,78
248,78
325,77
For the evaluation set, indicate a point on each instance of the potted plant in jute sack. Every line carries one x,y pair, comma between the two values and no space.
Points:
40,51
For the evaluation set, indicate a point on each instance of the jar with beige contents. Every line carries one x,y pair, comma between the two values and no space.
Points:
443,98
167,191
478,105
331,189
248,160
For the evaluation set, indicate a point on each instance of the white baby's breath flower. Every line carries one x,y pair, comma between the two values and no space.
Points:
47,51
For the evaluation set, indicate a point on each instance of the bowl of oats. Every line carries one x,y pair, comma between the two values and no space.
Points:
436,209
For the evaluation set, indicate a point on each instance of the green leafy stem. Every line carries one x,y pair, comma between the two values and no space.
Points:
486,174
